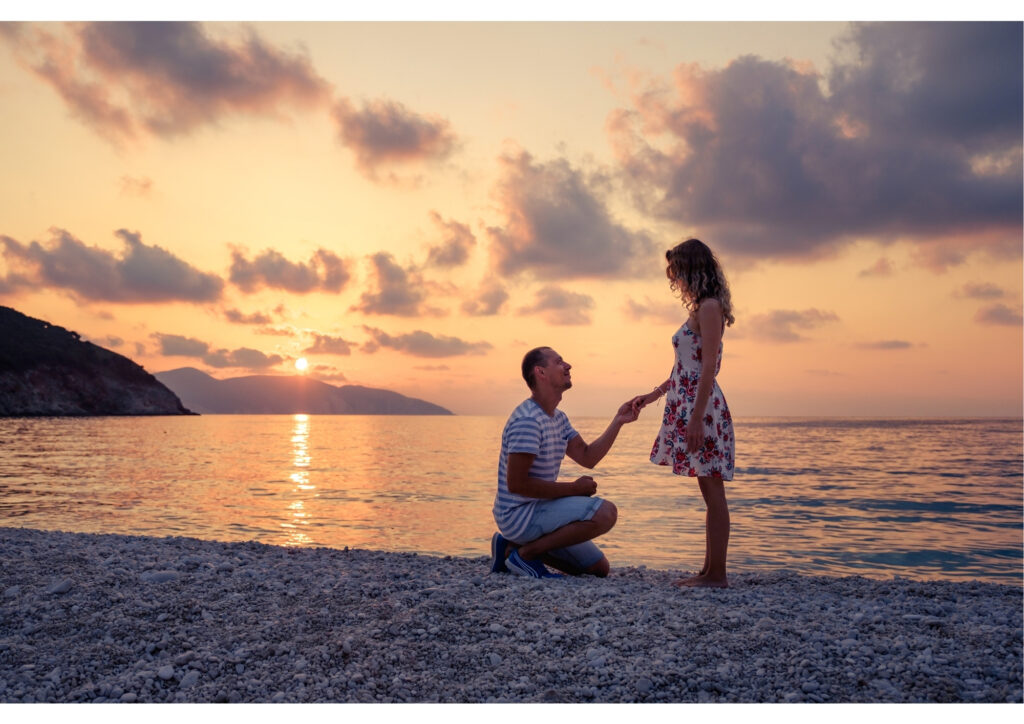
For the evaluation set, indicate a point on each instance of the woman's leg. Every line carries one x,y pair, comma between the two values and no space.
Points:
707,524
717,536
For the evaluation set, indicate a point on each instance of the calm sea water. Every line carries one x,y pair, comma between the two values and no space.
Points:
916,498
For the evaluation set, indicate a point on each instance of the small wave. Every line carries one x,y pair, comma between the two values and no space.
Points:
783,472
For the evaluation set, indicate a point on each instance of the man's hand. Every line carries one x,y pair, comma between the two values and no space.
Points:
638,403
628,412
585,485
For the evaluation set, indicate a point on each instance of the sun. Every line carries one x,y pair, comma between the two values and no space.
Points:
301,364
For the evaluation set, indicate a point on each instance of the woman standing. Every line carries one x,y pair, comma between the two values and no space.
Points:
696,436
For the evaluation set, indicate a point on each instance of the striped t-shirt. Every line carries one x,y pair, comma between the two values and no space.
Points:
529,430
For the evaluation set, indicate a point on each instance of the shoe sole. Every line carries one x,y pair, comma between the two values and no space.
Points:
525,570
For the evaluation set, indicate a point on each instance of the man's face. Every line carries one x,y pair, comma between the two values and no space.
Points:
556,371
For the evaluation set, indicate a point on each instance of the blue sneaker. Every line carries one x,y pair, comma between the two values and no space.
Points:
498,546
533,569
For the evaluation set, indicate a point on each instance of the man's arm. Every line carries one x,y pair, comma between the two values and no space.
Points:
520,482
590,455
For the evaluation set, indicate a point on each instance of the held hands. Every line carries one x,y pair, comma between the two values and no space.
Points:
628,412
641,401
585,485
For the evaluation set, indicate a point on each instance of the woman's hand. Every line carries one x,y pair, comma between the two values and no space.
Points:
694,435
641,401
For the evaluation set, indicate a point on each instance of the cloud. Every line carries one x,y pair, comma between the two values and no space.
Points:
781,325
12,282
886,344
658,311
1000,314
131,79
245,357
236,317
383,134
112,341
141,274
276,331
561,307
557,226
488,299
939,256
881,268
917,137
456,242
979,290
141,187
326,373
325,271
326,344
399,291
422,344
176,345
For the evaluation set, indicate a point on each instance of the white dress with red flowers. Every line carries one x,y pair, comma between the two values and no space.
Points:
716,455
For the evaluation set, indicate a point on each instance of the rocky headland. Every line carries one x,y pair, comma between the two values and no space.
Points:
48,370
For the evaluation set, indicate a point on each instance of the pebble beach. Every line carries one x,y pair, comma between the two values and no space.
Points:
114,618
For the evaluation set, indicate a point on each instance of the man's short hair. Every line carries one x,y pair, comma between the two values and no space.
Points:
533,358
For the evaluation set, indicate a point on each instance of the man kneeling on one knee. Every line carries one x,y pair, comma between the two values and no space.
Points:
541,520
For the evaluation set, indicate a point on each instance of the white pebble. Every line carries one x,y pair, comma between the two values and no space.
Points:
60,587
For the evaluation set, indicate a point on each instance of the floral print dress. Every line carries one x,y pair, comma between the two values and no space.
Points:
716,456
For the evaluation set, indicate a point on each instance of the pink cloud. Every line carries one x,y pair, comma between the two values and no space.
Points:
384,134
132,79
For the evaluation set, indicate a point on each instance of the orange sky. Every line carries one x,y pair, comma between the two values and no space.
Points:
414,205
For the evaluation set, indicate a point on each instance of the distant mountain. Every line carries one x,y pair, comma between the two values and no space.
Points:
286,395
47,370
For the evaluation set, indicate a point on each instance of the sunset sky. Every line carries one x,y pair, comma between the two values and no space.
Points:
413,206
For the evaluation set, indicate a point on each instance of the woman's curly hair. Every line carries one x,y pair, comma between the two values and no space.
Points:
694,272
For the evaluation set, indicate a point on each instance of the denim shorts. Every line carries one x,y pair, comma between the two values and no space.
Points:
550,515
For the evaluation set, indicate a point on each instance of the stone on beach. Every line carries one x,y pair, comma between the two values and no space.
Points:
367,626
166,672
62,586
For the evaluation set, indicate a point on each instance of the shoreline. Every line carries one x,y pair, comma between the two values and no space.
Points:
107,618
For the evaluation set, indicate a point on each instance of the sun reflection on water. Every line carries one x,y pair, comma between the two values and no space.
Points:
298,516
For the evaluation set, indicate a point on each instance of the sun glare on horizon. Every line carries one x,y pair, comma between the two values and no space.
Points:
301,364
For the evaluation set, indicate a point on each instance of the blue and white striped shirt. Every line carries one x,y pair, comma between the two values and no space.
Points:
529,430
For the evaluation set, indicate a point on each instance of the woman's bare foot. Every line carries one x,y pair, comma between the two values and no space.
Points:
701,581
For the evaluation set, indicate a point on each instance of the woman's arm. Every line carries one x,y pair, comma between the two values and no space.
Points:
709,317
641,401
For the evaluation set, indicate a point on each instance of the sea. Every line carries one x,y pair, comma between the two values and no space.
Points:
915,498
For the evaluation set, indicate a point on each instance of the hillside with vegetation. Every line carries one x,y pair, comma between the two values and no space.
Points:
48,370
